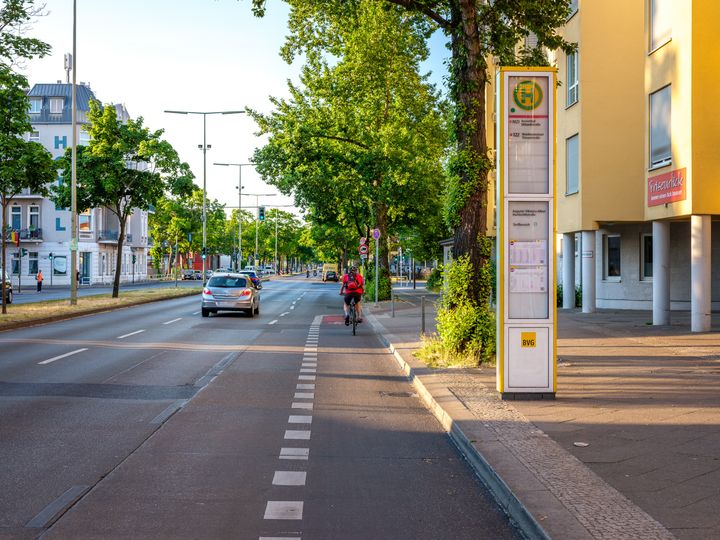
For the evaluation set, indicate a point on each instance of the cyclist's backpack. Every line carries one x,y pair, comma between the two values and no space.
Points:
352,284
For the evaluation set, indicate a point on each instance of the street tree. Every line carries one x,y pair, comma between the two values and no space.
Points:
125,167
23,165
15,19
480,34
360,141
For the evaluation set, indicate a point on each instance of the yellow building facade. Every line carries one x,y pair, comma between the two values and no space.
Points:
638,159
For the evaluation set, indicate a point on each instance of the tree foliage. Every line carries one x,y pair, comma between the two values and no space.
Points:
15,18
360,141
125,167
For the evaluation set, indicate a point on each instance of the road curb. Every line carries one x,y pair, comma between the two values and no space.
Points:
95,311
502,493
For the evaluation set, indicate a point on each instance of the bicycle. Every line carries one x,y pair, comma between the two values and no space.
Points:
353,315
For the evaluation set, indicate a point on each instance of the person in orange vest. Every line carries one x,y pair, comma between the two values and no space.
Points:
39,278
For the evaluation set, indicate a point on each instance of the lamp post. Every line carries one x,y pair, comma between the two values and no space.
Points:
257,205
73,182
240,187
204,147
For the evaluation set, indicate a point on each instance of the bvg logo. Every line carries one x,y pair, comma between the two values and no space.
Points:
528,95
528,340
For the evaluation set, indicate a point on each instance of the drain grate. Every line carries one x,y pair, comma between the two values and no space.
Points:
397,394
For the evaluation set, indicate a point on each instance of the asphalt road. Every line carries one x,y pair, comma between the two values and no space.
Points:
152,422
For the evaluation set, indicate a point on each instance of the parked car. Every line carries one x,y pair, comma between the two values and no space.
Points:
230,292
254,277
331,275
189,273
8,290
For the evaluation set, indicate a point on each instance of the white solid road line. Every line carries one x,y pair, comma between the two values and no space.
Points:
273,322
174,320
61,356
131,334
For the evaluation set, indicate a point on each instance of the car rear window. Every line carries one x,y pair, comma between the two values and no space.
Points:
227,281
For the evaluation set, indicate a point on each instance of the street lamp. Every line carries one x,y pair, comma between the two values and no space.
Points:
73,181
257,205
204,147
239,187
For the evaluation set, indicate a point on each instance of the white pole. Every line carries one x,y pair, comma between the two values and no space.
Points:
700,283
377,270
661,272
73,187
239,259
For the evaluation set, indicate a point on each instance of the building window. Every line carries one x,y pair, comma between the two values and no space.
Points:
646,260
59,265
84,137
660,120
573,86
32,263
573,7
16,218
15,266
572,164
34,218
34,136
56,105
660,22
35,105
85,221
611,257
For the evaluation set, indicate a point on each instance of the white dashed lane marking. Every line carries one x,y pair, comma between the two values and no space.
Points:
273,322
174,320
299,419
295,453
302,405
297,434
305,386
289,478
284,510
306,378
54,358
304,395
131,334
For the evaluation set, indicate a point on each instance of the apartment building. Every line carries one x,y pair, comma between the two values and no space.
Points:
44,231
638,168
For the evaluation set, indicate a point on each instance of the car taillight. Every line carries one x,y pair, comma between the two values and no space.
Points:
207,292
246,292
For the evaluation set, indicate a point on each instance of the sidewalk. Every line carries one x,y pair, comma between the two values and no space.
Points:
644,402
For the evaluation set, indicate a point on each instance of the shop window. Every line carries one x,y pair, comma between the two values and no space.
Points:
572,164
660,22
612,269
32,263
646,257
660,134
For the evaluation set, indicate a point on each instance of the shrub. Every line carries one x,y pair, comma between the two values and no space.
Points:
384,284
464,326
435,280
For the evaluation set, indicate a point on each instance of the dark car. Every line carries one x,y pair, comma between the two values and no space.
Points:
230,292
254,277
331,276
8,290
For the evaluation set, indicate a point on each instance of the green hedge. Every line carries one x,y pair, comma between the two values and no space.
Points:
384,284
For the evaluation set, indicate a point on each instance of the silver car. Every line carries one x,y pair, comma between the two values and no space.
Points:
230,292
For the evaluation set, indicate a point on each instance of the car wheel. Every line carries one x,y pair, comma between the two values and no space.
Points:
9,297
205,312
257,309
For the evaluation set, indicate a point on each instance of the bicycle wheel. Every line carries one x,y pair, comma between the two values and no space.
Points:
353,315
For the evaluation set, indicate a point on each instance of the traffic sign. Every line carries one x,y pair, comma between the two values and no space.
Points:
376,233
363,240
363,249
363,256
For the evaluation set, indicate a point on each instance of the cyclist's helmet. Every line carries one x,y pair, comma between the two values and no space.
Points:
353,268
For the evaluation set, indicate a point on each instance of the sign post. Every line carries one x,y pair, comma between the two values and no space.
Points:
526,338
376,236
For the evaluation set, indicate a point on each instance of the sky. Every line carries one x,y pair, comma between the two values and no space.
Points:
189,55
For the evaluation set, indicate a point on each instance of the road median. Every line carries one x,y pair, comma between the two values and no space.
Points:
20,315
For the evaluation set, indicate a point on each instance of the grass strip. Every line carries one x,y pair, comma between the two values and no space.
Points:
19,315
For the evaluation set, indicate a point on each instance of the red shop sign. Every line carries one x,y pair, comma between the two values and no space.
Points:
667,188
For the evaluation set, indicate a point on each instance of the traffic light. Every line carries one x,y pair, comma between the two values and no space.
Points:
134,258
261,213
23,252
204,252
51,256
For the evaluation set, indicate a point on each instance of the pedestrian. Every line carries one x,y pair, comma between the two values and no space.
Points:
39,279
77,276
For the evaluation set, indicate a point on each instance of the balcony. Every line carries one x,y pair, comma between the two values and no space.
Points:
26,193
110,236
25,235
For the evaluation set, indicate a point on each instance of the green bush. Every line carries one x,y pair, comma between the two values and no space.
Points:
464,326
384,284
578,296
435,280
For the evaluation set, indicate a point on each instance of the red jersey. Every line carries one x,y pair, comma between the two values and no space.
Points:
355,285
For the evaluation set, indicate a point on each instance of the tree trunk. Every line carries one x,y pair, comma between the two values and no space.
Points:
118,261
470,88
4,253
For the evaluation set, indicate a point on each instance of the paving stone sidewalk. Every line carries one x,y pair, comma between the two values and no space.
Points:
642,401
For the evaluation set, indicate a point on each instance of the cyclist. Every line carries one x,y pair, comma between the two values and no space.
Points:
352,285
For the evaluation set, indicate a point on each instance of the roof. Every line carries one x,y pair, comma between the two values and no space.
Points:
83,93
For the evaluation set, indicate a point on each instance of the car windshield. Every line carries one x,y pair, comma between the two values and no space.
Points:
227,282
